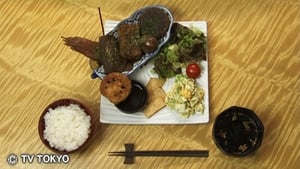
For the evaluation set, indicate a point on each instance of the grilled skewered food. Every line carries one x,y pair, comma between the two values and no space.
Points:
119,50
82,45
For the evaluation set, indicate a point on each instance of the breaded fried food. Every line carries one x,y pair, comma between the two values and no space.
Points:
115,87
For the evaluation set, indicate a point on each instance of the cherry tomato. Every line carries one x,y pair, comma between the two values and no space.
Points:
193,70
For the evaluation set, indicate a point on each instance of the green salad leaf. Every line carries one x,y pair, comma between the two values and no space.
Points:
185,45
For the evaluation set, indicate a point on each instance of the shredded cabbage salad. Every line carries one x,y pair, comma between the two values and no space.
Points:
185,96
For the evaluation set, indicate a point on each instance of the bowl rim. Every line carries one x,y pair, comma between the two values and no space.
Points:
66,102
251,114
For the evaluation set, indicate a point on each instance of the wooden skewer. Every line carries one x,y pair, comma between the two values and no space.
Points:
101,21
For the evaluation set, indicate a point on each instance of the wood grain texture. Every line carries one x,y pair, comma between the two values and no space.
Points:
254,62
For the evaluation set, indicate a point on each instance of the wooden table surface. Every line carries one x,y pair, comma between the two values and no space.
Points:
254,62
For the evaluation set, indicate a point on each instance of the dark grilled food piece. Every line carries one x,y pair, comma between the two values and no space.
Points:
148,44
154,22
108,54
129,35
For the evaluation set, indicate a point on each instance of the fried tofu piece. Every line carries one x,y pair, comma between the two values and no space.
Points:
152,108
157,93
155,83
156,97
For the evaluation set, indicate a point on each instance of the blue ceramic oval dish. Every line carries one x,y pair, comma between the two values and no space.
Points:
133,19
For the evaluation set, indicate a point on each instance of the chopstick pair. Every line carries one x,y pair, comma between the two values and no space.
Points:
129,153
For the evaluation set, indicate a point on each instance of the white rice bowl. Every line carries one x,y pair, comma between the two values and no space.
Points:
66,127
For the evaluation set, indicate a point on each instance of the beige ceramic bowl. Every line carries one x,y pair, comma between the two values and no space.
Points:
65,102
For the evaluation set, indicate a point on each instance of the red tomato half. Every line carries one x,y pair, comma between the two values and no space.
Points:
193,70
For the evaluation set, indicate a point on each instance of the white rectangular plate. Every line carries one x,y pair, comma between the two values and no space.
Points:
110,114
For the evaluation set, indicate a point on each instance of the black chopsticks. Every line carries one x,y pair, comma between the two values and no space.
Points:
172,153
129,153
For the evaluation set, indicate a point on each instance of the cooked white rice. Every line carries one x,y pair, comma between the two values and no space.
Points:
66,127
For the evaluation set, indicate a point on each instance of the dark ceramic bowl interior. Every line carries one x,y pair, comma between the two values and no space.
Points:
65,102
238,131
136,99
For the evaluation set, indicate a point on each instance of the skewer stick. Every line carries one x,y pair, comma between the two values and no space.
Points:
101,21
